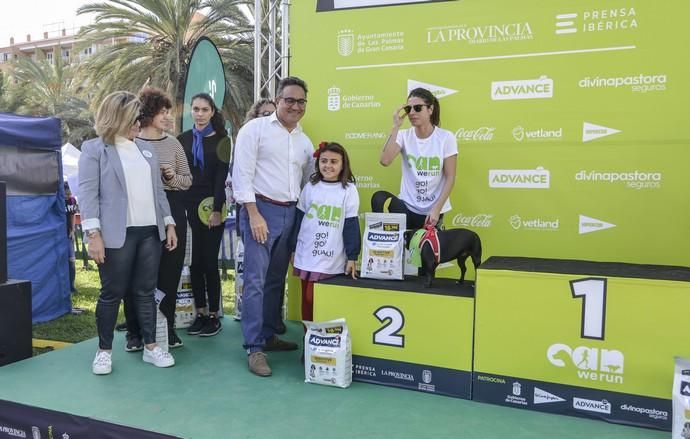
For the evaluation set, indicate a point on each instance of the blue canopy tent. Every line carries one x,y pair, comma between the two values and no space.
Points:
37,243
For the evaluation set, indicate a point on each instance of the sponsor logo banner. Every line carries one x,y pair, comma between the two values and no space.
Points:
480,134
651,413
337,101
348,43
589,225
591,405
592,364
538,224
482,220
540,88
635,179
539,178
596,20
544,397
591,131
640,83
436,90
480,34
521,133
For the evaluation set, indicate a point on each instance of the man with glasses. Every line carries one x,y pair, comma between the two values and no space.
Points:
273,159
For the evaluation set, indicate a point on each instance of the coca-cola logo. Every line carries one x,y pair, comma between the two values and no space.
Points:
480,220
481,134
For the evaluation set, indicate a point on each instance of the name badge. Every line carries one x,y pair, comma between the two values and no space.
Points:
147,154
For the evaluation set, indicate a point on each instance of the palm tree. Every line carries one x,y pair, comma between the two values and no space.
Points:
44,88
152,40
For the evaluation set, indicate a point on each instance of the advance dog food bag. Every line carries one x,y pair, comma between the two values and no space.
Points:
384,245
328,354
681,399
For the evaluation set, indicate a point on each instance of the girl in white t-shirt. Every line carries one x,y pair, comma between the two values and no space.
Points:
429,157
328,239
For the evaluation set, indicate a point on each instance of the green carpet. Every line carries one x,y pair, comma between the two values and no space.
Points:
211,394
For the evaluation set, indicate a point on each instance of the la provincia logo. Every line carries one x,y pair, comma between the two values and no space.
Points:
436,90
539,178
591,131
480,34
540,88
588,224
591,364
520,134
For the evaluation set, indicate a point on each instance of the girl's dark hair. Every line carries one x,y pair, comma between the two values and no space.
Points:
217,120
153,100
345,176
429,99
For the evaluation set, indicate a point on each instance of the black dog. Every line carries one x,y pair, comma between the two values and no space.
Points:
458,244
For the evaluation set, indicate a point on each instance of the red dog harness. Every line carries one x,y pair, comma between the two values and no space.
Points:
432,238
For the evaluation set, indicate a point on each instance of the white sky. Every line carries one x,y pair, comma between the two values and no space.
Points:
21,17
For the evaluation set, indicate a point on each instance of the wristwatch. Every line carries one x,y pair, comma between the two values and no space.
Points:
93,232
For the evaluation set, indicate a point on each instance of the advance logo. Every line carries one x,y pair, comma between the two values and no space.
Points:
539,178
544,397
591,131
589,225
541,88
591,405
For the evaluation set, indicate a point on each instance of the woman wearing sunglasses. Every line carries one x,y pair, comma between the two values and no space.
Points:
261,108
429,157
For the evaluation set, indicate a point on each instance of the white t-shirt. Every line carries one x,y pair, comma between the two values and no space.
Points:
141,210
320,246
422,173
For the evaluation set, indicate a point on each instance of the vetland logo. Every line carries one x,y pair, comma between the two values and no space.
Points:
591,405
652,413
436,90
482,220
520,178
593,364
544,397
591,131
480,34
632,179
637,83
596,20
520,134
540,88
589,225
539,224
481,134
337,101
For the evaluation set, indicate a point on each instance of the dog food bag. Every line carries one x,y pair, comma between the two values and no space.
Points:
384,245
185,311
681,399
328,353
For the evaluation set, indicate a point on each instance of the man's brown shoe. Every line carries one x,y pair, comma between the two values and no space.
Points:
276,344
258,364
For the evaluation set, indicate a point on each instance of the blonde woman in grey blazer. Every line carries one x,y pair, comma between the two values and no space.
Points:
126,216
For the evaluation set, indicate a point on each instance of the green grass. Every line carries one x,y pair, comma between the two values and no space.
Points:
76,328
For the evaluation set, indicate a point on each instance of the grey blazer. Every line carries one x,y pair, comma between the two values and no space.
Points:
103,191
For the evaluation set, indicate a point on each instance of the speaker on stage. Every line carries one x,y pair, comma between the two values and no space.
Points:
15,321
3,233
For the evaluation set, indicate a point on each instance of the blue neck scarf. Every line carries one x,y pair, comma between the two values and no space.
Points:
198,144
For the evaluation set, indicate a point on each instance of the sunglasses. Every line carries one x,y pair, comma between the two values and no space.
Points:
417,108
266,113
293,101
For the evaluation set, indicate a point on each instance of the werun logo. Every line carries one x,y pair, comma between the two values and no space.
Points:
591,405
540,88
436,90
591,131
520,178
520,134
544,397
593,364
346,42
565,24
589,225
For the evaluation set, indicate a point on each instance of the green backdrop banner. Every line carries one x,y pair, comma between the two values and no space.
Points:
205,75
570,117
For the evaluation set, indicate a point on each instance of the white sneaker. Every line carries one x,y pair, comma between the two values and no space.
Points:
158,357
102,364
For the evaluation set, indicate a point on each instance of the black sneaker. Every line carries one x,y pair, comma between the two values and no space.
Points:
173,340
134,344
281,329
211,328
121,327
198,324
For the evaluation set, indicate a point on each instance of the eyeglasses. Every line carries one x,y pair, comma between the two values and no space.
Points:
267,113
417,108
292,101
